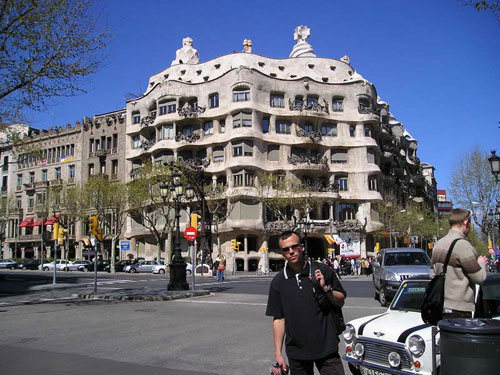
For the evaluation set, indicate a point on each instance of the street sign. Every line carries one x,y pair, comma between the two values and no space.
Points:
414,239
125,245
190,233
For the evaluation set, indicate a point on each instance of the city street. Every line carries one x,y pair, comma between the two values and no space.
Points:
223,333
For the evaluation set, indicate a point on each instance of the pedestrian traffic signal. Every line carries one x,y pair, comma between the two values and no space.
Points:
60,235
194,220
55,230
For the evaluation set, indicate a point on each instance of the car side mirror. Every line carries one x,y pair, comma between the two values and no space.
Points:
376,264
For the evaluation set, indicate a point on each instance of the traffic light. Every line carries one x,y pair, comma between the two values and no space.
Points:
377,247
194,220
55,230
60,235
233,244
94,227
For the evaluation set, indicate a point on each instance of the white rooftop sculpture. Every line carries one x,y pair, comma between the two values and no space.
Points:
302,48
187,54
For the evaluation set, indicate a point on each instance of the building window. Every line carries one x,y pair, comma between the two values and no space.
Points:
58,173
167,132
19,202
208,128
44,175
329,130
114,167
346,211
339,156
312,99
368,131
136,118
19,179
136,141
370,155
282,127
167,107
273,153
31,201
277,100
242,119
213,100
115,141
243,148
372,183
102,167
338,104
352,130
364,105
342,183
241,94
222,126
218,154
71,171
265,125
91,169
32,177
308,127
243,178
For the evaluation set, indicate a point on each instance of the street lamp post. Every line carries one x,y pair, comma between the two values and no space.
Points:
306,227
177,265
390,226
56,219
494,160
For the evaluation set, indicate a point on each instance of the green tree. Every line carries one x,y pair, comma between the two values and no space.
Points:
46,48
473,187
109,201
492,7
147,206
220,207
71,208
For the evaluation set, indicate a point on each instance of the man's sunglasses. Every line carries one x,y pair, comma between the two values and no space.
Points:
293,247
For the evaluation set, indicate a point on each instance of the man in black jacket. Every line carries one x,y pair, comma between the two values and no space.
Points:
311,336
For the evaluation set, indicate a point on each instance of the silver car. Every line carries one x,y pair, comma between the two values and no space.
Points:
142,266
393,266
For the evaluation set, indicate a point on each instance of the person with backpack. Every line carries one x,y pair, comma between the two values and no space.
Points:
464,269
305,301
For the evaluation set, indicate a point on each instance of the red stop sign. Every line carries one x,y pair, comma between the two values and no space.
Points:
190,233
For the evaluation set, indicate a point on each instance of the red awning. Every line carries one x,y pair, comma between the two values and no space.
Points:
51,220
38,222
27,222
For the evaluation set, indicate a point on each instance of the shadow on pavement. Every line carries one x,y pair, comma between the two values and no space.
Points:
17,284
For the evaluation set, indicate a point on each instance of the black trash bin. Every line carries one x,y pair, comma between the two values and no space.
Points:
469,346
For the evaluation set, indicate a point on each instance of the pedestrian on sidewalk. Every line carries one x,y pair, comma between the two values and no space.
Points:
336,267
221,268
294,303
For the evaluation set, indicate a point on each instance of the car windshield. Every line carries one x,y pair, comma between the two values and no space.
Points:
410,296
406,259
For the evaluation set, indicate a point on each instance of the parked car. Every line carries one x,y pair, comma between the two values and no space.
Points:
76,264
32,264
142,266
61,265
162,269
392,266
89,267
397,341
8,263
120,265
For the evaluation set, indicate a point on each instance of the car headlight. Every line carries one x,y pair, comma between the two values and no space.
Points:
359,350
416,344
390,276
349,333
394,359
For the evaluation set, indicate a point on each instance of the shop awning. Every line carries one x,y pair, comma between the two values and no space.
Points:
51,220
27,222
38,222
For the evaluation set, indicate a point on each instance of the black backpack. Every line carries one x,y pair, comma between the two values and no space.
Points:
432,306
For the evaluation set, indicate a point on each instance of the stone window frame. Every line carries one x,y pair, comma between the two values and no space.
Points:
373,182
342,180
337,152
45,175
338,104
371,152
241,93
240,120
167,106
244,178
275,147
280,123
277,100
347,211
57,173
136,117
367,130
352,131
208,130
218,158
136,142
243,147
328,128
71,171
213,100
266,120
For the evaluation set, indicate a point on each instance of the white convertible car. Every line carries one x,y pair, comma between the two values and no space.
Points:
398,341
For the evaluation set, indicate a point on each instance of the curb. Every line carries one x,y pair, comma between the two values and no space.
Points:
161,296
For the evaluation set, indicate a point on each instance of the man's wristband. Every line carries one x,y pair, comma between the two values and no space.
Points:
327,288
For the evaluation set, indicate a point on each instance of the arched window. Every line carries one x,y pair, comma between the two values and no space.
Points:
241,94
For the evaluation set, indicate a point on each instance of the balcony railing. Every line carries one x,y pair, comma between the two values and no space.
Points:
195,162
189,137
29,237
366,109
57,181
308,159
191,111
296,105
147,144
41,184
314,135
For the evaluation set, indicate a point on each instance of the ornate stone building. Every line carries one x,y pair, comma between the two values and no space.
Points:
314,121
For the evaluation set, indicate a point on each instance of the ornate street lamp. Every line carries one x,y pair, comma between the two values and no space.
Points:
494,160
56,215
177,264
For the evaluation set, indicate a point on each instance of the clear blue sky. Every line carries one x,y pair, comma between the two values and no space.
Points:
435,61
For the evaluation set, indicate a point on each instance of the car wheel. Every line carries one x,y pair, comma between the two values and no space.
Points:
382,297
66,269
133,270
85,269
24,268
161,271
353,369
188,272
45,268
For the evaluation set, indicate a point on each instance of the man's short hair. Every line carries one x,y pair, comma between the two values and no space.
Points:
284,235
458,216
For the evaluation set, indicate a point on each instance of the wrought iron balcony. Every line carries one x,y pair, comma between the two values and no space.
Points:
148,120
191,111
42,184
314,135
307,159
147,144
277,226
296,105
196,162
189,137
366,109
101,153
329,188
